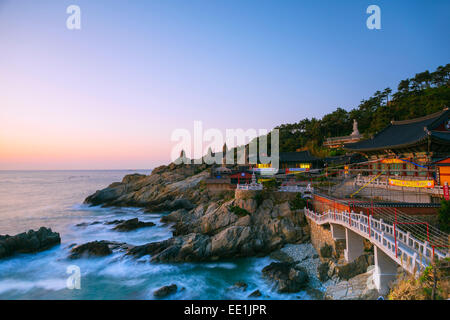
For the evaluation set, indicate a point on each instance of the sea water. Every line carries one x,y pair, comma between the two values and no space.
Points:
31,199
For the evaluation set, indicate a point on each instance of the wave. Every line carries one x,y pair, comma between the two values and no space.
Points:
25,286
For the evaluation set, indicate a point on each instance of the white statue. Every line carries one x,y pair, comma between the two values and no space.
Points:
355,128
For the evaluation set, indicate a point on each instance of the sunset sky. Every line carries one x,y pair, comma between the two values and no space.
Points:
109,96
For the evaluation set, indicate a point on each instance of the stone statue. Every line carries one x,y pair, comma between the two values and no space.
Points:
355,128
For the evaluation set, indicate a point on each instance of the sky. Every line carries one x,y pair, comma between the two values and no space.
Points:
110,95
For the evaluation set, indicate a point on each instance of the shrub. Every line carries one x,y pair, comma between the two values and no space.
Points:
326,251
262,195
298,202
238,211
444,216
436,275
271,184
259,198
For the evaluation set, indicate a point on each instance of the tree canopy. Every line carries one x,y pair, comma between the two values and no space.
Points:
425,93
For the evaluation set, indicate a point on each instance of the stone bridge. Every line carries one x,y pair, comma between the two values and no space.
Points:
392,246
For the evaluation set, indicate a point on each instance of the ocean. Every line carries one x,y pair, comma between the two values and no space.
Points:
31,199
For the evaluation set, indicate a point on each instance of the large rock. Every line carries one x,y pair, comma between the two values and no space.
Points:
132,224
174,205
192,247
95,248
204,228
360,287
174,216
215,232
167,188
288,277
356,267
239,286
322,271
165,291
281,256
28,242
255,294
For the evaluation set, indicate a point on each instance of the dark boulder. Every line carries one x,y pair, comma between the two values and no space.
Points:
114,222
171,205
85,224
28,242
322,271
132,224
355,267
288,277
326,251
105,196
192,247
174,216
255,294
281,256
240,285
94,248
165,291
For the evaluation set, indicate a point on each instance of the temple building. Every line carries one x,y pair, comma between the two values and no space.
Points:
292,162
408,153
338,142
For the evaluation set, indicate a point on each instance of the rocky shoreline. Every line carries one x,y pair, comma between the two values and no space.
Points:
359,286
212,227
28,242
209,228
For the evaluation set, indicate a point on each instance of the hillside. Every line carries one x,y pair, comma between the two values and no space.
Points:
425,93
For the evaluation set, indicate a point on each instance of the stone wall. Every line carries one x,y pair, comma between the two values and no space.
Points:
277,196
321,235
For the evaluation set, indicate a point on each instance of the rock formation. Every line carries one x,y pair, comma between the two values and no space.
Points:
97,249
132,224
165,291
288,277
167,188
28,242
214,232
204,228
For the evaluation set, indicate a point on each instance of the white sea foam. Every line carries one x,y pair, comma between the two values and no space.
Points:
25,286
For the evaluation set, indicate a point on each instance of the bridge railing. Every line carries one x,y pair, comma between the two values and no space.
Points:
296,189
411,253
256,186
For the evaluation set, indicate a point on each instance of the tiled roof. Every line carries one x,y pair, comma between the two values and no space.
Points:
301,156
403,133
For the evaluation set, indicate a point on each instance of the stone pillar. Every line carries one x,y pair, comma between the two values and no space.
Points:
224,155
385,271
355,245
337,231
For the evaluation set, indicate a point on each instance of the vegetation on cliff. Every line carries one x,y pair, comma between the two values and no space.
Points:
444,216
432,284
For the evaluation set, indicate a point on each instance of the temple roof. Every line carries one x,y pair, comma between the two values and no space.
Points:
405,134
301,156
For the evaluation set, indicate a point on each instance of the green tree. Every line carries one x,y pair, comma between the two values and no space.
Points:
444,216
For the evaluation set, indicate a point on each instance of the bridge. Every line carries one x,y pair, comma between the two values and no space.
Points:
393,246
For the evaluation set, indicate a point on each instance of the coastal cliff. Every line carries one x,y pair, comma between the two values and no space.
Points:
211,227
166,188
235,228
205,227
